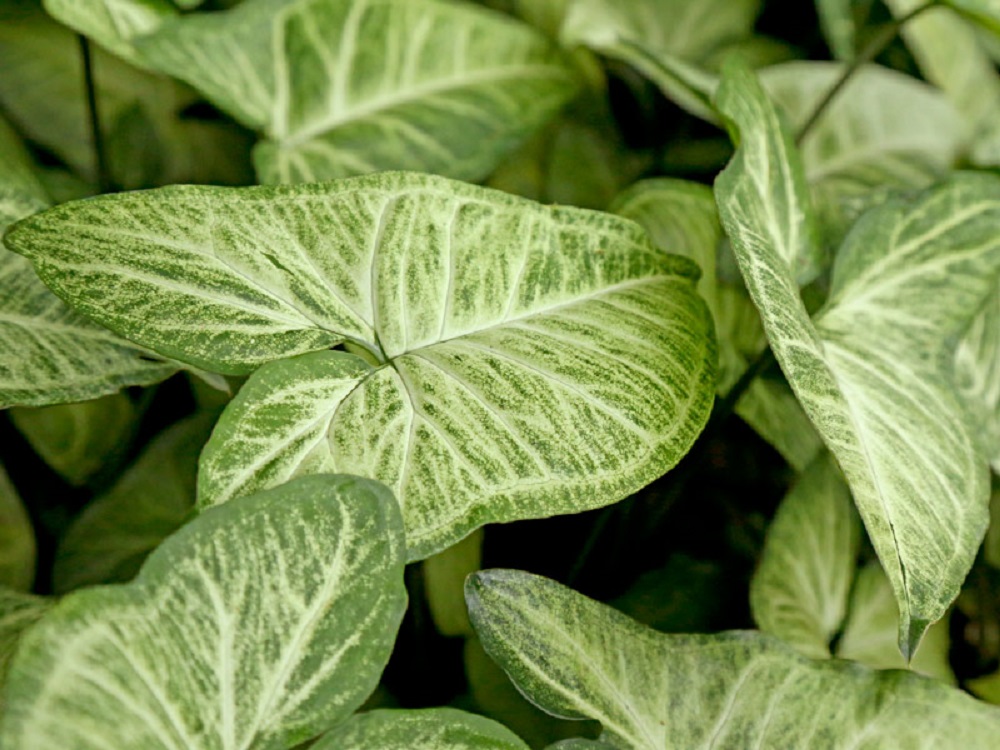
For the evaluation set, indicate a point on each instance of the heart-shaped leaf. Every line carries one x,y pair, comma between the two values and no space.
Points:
260,624
526,360
868,370
429,729
343,88
577,658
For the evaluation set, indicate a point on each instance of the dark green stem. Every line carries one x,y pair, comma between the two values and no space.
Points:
871,50
100,156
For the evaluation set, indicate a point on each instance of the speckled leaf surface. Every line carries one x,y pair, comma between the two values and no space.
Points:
429,729
112,23
868,372
800,589
977,373
342,88
681,217
577,658
260,624
17,539
48,353
18,612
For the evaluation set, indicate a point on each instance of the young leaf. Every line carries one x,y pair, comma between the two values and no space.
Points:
800,589
48,353
17,539
344,88
429,729
77,440
262,623
109,540
868,370
577,658
112,23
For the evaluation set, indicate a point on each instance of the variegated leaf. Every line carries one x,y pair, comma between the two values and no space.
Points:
868,371
342,88
800,589
977,366
260,624
18,612
577,658
429,729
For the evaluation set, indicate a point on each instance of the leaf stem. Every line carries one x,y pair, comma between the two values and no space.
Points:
100,155
871,50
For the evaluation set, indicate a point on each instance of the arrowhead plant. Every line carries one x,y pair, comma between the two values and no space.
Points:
301,356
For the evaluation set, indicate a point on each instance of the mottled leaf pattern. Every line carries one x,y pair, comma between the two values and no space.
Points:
18,612
111,537
260,624
652,691
343,88
868,371
430,729
977,366
17,539
800,590
112,23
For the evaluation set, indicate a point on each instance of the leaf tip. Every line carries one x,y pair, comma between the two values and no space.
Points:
911,632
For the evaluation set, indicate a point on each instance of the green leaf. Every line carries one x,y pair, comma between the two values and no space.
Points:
986,13
951,56
977,372
109,540
836,19
868,369
343,88
429,729
872,624
262,623
444,580
532,360
800,589
577,743
17,539
112,23
575,657
78,440
681,218
884,130
18,612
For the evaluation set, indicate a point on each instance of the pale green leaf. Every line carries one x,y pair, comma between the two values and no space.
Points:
577,743
343,88
109,540
429,729
909,277
527,360
836,19
872,624
18,612
260,624
986,13
950,56
546,15
681,218
977,372
444,580
148,142
17,539
800,589
112,23
575,657
884,130
78,440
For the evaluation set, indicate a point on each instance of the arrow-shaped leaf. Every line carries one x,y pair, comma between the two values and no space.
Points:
868,370
260,624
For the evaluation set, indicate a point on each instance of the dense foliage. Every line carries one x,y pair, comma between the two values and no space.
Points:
442,374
